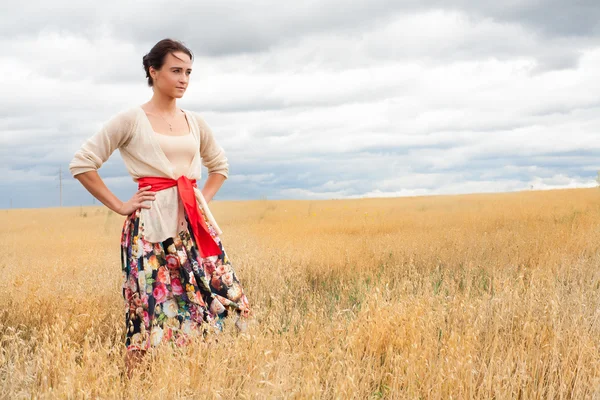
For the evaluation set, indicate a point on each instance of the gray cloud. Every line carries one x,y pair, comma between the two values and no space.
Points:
239,26
554,18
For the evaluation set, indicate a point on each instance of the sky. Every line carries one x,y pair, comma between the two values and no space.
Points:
316,99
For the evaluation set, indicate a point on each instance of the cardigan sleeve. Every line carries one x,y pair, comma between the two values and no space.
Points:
213,155
96,150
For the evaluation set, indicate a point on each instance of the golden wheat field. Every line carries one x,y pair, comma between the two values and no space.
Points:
471,296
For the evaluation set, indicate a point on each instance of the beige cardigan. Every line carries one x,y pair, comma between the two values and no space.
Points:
130,131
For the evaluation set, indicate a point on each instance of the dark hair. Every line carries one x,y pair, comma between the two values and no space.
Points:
156,57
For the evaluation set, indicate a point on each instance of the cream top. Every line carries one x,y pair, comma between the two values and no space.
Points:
130,131
179,150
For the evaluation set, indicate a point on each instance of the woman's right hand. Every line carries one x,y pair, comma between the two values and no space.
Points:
137,201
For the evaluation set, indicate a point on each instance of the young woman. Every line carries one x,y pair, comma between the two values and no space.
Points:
177,279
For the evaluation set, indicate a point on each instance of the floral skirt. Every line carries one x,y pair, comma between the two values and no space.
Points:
171,293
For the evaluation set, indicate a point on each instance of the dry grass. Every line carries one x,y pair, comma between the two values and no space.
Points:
480,296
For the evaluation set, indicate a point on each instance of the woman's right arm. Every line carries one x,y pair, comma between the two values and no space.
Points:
95,185
94,152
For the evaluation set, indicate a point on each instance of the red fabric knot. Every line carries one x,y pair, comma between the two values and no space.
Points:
185,187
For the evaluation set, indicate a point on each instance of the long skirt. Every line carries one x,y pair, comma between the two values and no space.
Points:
170,292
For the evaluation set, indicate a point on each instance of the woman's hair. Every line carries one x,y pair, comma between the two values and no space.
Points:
156,57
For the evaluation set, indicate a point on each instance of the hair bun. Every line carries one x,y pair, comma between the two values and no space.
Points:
146,63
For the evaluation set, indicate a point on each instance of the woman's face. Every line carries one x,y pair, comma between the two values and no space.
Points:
173,77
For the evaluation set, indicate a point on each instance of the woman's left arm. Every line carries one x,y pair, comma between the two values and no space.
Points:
212,185
214,159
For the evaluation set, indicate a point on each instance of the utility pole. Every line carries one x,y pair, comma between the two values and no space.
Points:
60,182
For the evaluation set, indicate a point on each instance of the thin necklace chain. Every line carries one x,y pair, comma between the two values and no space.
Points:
170,127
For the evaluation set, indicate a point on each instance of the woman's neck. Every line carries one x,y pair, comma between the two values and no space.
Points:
163,104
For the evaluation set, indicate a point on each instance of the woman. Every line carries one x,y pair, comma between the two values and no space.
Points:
177,279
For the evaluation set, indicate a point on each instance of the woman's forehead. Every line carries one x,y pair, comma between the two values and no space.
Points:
178,58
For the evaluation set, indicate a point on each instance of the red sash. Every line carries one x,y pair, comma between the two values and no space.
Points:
205,243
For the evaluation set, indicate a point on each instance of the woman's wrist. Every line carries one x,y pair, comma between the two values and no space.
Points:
114,203
207,197
118,207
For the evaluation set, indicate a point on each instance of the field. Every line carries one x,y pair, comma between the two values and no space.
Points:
474,296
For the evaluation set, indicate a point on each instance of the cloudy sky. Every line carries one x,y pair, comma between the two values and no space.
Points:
315,99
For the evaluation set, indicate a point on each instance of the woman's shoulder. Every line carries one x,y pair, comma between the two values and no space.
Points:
199,120
122,126
125,120
127,116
